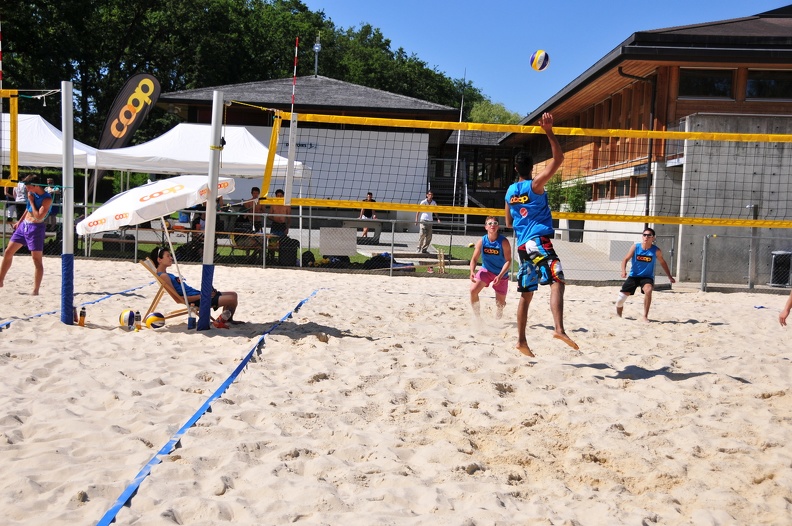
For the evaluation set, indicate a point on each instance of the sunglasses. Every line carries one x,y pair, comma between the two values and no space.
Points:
647,235
490,223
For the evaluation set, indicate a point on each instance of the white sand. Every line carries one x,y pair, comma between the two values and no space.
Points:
382,402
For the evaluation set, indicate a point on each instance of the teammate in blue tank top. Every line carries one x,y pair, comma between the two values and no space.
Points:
528,212
644,256
496,257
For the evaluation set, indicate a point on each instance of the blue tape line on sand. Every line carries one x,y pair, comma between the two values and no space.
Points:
6,324
131,489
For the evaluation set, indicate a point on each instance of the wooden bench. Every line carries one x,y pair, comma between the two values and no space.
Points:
374,226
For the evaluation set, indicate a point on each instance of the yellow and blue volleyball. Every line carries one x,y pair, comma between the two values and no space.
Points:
155,320
127,319
540,60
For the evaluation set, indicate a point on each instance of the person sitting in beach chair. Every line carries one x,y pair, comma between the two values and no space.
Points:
229,300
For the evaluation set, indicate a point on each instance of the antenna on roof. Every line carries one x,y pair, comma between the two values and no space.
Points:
317,48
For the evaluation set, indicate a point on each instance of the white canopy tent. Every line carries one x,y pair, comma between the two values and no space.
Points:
41,144
184,149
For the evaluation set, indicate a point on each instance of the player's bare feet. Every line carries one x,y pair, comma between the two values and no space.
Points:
523,348
619,311
567,340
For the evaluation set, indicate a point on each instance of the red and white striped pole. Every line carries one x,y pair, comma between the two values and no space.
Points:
294,78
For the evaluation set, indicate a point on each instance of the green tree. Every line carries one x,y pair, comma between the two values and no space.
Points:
555,194
490,112
576,195
187,44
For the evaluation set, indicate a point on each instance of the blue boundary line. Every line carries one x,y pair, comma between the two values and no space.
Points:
130,491
7,323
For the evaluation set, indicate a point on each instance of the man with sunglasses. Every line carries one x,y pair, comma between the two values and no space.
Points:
495,252
643,255
528,212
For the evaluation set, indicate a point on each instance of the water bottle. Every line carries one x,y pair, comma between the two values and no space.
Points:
81,323
191,316
137,320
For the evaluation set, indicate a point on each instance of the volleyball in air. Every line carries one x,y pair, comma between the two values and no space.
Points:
540,60
127,319
155,320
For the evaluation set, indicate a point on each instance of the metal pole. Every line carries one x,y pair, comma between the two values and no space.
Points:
207,274
704,263
754,249
67,257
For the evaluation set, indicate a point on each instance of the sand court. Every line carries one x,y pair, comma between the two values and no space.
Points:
383,401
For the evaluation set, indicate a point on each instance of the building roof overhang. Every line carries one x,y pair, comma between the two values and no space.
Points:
763,40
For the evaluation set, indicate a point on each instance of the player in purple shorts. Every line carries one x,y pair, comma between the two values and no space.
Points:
30,231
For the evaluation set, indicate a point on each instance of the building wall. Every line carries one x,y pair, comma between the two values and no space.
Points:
747,179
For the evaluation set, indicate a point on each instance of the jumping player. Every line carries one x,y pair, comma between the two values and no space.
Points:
528,211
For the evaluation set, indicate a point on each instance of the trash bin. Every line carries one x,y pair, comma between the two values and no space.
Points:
287,253
780,269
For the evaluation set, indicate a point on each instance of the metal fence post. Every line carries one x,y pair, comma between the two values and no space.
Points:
752,252
704,263
393,244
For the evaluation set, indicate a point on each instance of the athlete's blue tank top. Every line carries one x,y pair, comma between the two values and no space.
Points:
38,199
643,262
492,256
530,212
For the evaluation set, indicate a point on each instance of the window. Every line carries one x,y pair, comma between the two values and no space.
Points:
602,190
622,188
705,83
643,185
769,85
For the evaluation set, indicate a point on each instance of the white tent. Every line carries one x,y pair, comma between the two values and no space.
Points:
185,149
41,144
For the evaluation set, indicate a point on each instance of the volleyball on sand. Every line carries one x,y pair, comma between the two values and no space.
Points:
155,320
127,318
540,60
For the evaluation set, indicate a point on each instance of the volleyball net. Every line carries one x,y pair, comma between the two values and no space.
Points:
723,170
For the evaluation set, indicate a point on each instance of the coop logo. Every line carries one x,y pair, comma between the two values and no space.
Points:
220,186
491,251
119,217
160,193
140,99
519,200
132,104
97,222
645,259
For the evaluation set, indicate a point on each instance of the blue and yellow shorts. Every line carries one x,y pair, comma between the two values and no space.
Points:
539,264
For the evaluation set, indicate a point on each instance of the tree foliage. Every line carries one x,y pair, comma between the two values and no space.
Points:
187,44
487,111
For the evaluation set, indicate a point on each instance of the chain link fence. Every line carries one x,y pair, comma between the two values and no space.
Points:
745,263
390,246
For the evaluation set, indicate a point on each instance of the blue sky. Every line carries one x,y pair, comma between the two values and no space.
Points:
490,43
